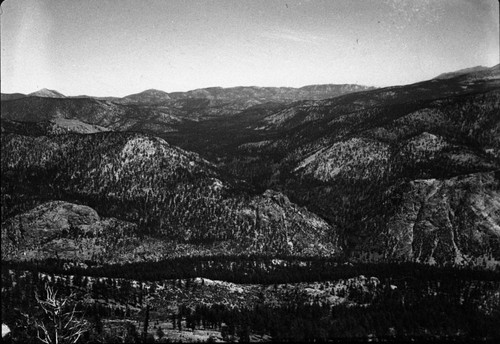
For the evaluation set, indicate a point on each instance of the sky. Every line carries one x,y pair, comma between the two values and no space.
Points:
120,47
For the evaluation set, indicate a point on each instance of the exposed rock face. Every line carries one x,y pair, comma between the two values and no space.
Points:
454,220
47,221
5,330
281,226
59,216
59,229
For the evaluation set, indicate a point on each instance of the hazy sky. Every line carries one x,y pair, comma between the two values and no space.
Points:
118,47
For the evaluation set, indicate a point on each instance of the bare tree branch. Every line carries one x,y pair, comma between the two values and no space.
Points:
58,325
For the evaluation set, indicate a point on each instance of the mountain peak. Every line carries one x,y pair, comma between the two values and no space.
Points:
46,93
461,72
153,91
148,96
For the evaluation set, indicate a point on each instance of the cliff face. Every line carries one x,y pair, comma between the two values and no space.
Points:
454,220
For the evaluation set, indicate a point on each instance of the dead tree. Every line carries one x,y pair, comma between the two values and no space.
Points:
58,322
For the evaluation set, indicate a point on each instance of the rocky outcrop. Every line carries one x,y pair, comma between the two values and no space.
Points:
451,221
281,226
60,230
5,330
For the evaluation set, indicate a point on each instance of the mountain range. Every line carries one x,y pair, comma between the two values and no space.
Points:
402,173
153,96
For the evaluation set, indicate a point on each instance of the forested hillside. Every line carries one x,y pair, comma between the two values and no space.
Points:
170,194
353,158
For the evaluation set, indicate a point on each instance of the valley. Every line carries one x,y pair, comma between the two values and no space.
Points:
326,212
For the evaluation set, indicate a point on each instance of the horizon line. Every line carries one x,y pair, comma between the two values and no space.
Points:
249,86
